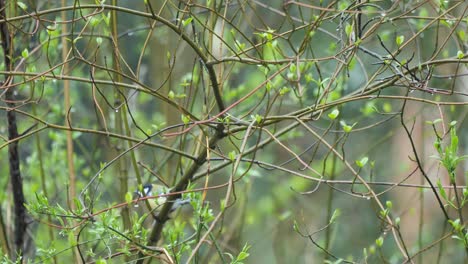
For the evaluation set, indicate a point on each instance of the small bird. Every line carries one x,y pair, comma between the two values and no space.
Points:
160,191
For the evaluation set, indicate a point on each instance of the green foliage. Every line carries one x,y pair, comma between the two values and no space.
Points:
248,114
243,255
448,156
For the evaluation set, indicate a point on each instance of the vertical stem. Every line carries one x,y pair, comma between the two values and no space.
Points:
13,154
421,197
67,104
330,197
120,112
68,133
43,180
5,247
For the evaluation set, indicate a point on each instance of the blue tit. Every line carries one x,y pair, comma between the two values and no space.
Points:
160,191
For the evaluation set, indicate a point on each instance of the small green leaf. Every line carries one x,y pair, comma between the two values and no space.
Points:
397,221
22,5
284,91
361,163
106,18
128,197
348,29
379,241
295,226
101,261
232,155
358,42
71,238
387,107
242,256
372,250
94,21
455,224
185,119
461,34
442,192
258,118
389,204
292,67
347,128
77,203
384,213
222,204
335,215
171,95
25,53
334,114
187,21
311,34
399,40
438,120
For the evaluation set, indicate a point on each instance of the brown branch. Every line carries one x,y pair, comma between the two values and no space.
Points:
13,153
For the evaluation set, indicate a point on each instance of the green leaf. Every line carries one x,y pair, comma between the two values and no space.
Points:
334,114
232,155
22,5
442,192
461,34
295,226
187,21
94,21
311,34
387,107
71,238
284,91
25,53
384,213
361,163
101,261
242,256
389,204
171,95
106,18
347,128
128,197
335,215
379,241
258,118
185,119
222,204
348,29
399,40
